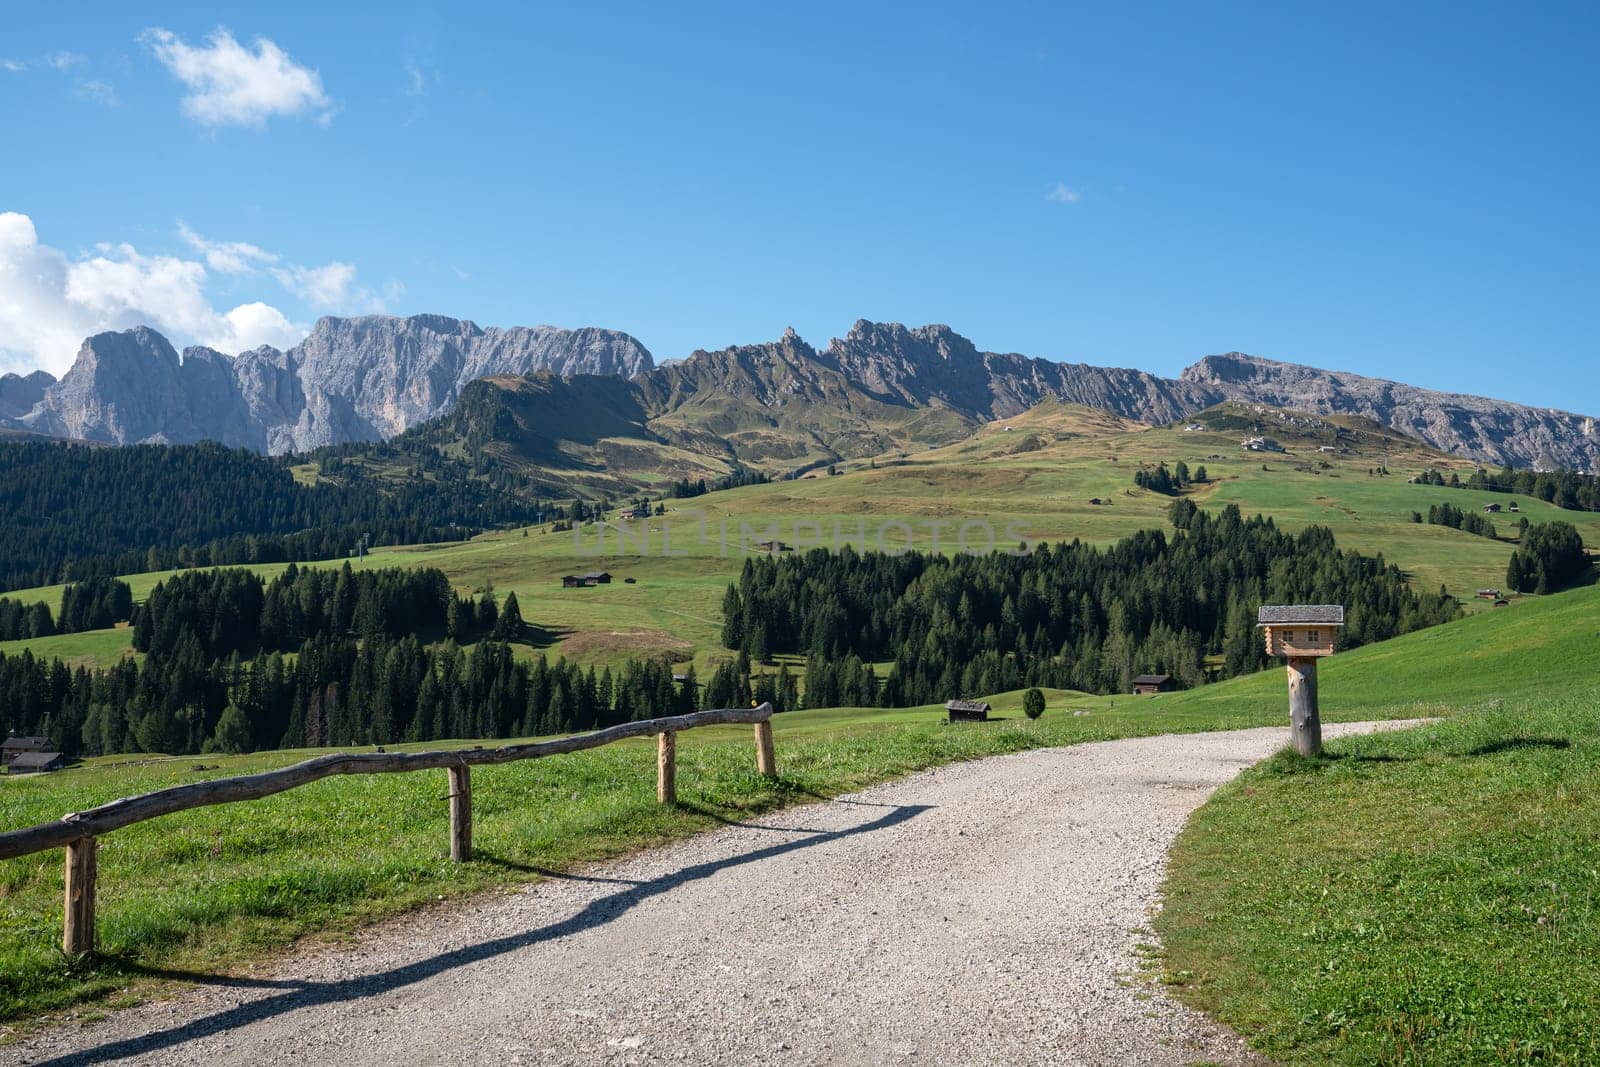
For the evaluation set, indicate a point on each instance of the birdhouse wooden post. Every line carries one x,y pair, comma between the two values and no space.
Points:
1302,633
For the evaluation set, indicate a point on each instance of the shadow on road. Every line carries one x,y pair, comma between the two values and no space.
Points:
306,994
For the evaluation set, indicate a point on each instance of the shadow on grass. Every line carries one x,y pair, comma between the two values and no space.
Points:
1287,761
295,995
1512,744
540,638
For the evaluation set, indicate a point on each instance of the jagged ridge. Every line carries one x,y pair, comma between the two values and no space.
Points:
355,379
881,387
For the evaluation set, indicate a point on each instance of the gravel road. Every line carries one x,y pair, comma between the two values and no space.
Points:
983,913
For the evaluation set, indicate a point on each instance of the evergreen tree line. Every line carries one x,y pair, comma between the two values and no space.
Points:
334,691
229,612
683,488
1161,480
95,604
1467,521
1068,615
325,657
1564,489
1549,558
70,512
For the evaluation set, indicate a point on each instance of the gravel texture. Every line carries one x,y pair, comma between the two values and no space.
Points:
983,913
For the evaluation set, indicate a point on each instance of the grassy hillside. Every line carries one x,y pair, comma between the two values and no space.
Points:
1424,897
1035,473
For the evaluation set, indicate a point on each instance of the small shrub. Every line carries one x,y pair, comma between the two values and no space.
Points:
1033,703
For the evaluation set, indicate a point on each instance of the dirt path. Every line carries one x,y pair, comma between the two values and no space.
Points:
987,912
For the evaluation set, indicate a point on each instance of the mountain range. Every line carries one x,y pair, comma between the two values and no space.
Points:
783,405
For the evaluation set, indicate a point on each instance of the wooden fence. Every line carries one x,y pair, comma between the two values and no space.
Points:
78,832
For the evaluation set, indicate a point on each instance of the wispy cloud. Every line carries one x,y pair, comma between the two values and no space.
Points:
333,287
227,257
416,79
231,84
98,92
330,287
58,61
1063,194
94,90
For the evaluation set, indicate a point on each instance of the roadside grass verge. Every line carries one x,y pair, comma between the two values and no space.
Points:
1428,896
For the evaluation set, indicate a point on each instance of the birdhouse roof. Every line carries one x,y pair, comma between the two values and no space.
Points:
1300,614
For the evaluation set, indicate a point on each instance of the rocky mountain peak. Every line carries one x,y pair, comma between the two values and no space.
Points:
351,379
20,392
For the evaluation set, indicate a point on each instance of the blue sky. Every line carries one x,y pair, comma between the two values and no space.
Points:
1399,190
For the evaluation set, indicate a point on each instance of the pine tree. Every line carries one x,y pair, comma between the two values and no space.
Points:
732,619
509,626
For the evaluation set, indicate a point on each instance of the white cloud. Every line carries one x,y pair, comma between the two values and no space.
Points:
255,324
229,84
49,302
64,60
227,257
1063,194
15,66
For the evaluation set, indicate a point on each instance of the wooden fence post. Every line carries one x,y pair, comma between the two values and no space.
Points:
667,767
460,813
77,938
1305,724
766,761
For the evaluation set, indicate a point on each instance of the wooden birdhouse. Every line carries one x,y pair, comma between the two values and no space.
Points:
1300,631
1302,634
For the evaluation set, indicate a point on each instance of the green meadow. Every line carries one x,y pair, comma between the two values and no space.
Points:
1429,896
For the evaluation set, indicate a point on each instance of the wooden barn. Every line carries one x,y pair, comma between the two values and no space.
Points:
35,762
772,546
15,746
1492,509
583,581
967,710
1148,684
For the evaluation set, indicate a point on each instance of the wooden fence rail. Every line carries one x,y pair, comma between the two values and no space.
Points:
77,832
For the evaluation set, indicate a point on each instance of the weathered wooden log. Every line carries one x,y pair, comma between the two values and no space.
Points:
766,759
129,810
1305,724
667,767
460,813
77,934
